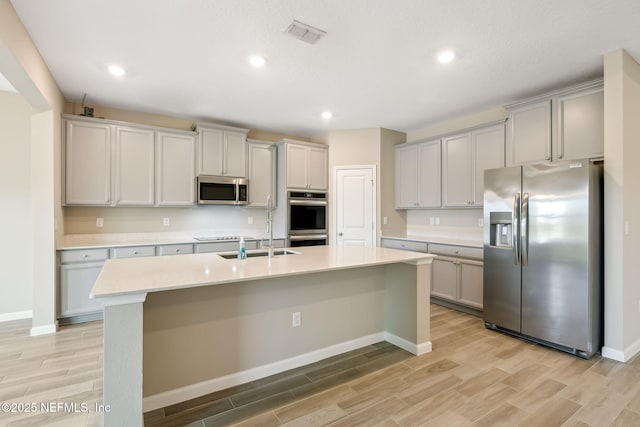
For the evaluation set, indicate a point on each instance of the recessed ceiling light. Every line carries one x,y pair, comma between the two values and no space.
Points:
116,70
257,61
327,115
446,56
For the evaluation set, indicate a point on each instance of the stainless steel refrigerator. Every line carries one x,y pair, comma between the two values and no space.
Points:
543,254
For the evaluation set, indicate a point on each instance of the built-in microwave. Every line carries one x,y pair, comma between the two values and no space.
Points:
220,190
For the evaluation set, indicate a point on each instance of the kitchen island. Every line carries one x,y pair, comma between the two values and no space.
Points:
194,324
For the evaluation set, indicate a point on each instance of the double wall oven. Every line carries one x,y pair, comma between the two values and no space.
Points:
306,218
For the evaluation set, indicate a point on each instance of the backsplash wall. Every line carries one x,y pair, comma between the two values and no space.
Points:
223,220
457,221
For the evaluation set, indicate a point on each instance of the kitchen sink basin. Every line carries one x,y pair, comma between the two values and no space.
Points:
276,252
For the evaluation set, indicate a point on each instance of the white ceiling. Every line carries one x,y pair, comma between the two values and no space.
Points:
374,68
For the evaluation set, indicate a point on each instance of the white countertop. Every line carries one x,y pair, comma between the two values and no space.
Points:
111,240
153,274
445,239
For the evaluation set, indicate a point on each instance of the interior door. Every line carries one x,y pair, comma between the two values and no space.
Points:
355,207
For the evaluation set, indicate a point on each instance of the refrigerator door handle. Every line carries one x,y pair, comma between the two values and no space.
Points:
525,229
516,229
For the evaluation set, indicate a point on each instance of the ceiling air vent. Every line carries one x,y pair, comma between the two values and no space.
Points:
304,32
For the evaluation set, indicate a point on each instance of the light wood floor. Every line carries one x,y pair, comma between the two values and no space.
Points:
474,377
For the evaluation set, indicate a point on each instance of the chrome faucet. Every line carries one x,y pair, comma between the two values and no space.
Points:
269,226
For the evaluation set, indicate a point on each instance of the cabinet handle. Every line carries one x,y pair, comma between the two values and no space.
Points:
548,158
560,156
135,252
177,250
86,255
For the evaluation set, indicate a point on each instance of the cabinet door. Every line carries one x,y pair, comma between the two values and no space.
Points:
175,176
444,279
87,163
580,126
488,153
235,154
135,170
529,133
317,168
406,172
456,170
429,178
470,276
76,282
261,174
210,151
296,168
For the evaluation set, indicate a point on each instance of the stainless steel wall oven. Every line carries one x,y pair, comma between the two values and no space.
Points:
306,218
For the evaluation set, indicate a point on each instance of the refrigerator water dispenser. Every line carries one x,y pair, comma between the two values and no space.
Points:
501,229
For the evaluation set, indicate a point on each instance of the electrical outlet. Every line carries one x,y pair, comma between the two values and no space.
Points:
385,220
295,319
166,222
480,222
431,220
250,220
437,220
99,222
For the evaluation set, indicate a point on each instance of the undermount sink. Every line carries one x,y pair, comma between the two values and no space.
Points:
276,252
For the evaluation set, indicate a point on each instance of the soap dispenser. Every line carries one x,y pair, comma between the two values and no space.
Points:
242,251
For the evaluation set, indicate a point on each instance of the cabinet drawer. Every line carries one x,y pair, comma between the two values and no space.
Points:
404,245
175,249
455,251
133,252
84,255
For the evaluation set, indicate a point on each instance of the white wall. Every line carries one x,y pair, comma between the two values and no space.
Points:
457,124
462,223
24,68
622,248
16,251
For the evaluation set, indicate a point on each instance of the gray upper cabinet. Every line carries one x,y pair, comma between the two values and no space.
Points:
488,145
529,133
457,171
562,125
87,163
465,157
110,163
222,150
175,177
134,166
579,132
306,165
262,172
417,175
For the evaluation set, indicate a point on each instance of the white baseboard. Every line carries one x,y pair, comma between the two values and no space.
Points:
182,394
44,330
622,355
16,315
407,345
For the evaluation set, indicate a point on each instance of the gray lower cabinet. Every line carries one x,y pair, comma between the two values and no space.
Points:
457,274
79,270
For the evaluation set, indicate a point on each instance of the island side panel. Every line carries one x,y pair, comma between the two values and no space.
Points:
407,290
123,364
194,336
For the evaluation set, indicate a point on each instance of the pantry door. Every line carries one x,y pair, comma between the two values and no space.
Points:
355,205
